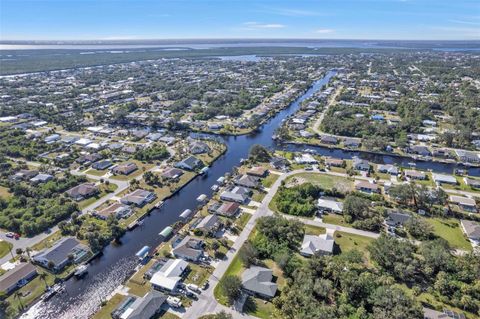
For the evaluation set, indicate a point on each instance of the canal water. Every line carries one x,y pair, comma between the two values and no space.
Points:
83,297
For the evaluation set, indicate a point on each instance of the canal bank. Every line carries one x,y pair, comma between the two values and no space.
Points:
83,297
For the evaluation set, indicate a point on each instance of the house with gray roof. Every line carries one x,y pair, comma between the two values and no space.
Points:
41,178
237,194
471,230
361,164
189,249
317,245
17,277
190,163
247,181
133,307
82,191
396,219
208,224
67,250
444,179
138,197
258,281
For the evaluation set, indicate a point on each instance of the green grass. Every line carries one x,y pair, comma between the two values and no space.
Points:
96,172
4,193
269,180
314,230
258,196
335,219
348,242
234,269
48,241
5,247
259,308
323,180
31,291
242,220
449,229
106,310
198,275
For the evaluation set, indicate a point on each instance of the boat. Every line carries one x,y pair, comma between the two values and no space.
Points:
166,232
143,253
81,271
201,198
52,291
214,187
159,204
186,213
204,171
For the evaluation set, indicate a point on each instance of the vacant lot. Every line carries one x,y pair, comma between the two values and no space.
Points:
449,229
325,181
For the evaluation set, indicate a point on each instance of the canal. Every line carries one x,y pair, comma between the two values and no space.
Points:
83,297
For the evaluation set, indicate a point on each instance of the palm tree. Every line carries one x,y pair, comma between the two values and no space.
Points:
43,276
19,297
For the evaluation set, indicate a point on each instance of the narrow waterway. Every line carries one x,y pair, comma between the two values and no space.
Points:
107,272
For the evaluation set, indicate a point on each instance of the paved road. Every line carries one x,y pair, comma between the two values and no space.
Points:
207,303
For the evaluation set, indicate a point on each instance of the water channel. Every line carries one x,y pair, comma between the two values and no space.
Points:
83,297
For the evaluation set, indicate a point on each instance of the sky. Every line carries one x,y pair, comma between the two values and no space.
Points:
175,19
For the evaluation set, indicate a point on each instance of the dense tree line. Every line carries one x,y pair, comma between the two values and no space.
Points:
154,152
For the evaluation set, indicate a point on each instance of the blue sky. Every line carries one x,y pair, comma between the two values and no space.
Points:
168,19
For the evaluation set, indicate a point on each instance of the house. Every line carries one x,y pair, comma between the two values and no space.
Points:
89,158
102,165
471,230
138,197
279,163
388,169
208,224
52,138
258,281
118,209
367,187
305,159
190,163
125,168
396,219
247,181
133,307
361,164
258,171
228,209
420,150
169,275
335,162
198,147
467,156
64,252
413,174
328,139
82,191
154,136
445,314
189,249
444,179
172,173
41,178
475,183
465,203
330,205
317,245
24,174
236,194
17,277
351,142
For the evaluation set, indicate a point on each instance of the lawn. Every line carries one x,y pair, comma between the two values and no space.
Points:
449,229
104,190
242,220
259,308
269,180
48,241
348,242
258,196
106,310
324,180
314,230
30,292
5,247
235,269
198,275
334,219
4,193
96,172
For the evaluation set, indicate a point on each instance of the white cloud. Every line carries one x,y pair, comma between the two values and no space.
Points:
324,31
292,12
257,25
465,22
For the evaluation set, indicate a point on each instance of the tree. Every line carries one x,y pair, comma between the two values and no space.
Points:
419,228
259,153
231,287
248,254
393,303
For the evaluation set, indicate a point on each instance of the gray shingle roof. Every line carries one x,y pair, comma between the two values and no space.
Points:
259,280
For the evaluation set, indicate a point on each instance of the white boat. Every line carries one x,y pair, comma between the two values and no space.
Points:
159,204
215,187
81,270
204,171
201,198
